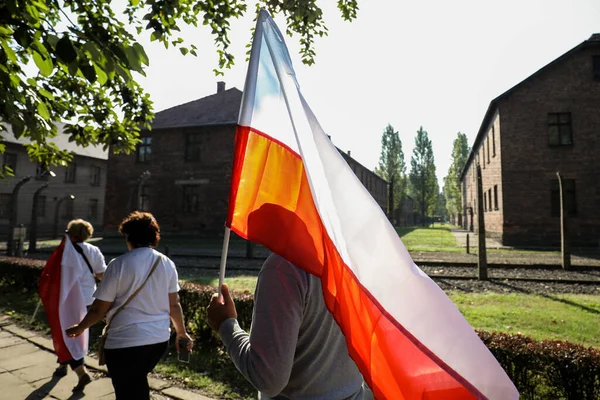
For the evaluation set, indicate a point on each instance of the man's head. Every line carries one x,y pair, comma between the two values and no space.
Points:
140,229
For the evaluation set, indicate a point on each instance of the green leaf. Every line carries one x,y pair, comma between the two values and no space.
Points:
133,59
139,49
43,111
89,72
92,50
73,68
44,64
22,36
65,50
134,3
183,50
10,54
46,94
100,74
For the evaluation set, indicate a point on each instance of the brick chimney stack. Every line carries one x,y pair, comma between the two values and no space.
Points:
220,86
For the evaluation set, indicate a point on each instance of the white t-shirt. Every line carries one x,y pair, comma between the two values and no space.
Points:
86,279
146,319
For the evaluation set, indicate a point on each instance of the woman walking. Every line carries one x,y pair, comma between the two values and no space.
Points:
144,281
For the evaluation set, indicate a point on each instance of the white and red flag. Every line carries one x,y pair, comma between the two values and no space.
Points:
63,300
293,192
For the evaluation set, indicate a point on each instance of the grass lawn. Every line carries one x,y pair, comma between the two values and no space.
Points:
434,238
571,317
241,283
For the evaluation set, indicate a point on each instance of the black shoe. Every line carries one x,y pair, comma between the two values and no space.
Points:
60,371
83,382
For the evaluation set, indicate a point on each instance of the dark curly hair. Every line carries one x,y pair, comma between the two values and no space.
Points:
140,229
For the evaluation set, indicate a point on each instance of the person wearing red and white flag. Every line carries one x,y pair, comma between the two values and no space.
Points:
66,287
292,192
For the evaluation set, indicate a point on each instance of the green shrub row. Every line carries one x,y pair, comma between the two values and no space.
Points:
539,369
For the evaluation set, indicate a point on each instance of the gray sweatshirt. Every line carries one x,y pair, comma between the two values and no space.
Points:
295,349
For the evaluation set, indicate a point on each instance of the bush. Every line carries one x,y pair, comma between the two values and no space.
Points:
548,368
539,369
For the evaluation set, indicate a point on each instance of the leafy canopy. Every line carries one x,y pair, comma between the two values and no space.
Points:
423,180
74,61
392,166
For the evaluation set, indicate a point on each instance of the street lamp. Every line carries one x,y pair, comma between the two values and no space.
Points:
14,209
143,177
58,203
34,215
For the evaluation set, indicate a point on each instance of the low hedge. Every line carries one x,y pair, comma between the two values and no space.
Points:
539,369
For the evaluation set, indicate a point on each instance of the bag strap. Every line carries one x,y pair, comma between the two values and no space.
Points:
132,296
80,251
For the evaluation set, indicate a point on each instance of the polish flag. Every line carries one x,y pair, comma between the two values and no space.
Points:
63,300
293,193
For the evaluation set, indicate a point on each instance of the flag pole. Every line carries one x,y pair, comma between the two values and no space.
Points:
223,260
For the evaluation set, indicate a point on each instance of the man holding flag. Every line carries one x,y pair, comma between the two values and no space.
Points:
292,192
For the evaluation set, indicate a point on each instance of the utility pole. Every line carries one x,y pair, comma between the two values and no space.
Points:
565,248
34,215
14,214
58,203
482,254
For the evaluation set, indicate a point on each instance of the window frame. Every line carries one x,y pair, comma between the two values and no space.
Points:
143,153
496,207
559,126
71,173
493,141
95,175
6,163
193,147
193,207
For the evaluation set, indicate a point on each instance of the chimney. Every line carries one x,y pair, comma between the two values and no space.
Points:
220,86
349,153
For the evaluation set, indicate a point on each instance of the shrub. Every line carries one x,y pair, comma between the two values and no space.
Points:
539,369
547,368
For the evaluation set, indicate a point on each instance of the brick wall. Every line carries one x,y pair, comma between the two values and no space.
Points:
170,172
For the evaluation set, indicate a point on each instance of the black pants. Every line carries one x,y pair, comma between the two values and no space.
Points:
73,363
129,368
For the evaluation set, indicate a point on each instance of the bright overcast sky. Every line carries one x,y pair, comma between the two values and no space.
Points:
435,64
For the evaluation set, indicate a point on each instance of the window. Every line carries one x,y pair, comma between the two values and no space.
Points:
93,209
193,146
490,199
144,151
41,206
67,208
483,155
596,66
488,148
569,193
70,173
191,198
143,202
493,142
484,202
559,129
10,161
95,176
496,197
5,205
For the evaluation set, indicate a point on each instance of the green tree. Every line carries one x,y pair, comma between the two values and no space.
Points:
392,166
75,61
423,181
460,153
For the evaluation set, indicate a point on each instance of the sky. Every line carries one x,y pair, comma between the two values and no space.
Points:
430,63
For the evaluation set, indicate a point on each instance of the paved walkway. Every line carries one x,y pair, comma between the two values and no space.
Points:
27,362
461,238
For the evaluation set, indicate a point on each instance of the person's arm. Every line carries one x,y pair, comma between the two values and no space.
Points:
97,311
265,356
176,314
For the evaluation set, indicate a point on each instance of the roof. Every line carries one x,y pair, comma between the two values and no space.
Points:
594,40
61,141
217,109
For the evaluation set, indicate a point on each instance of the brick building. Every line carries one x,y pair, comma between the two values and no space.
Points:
84,178
189,154
548,123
